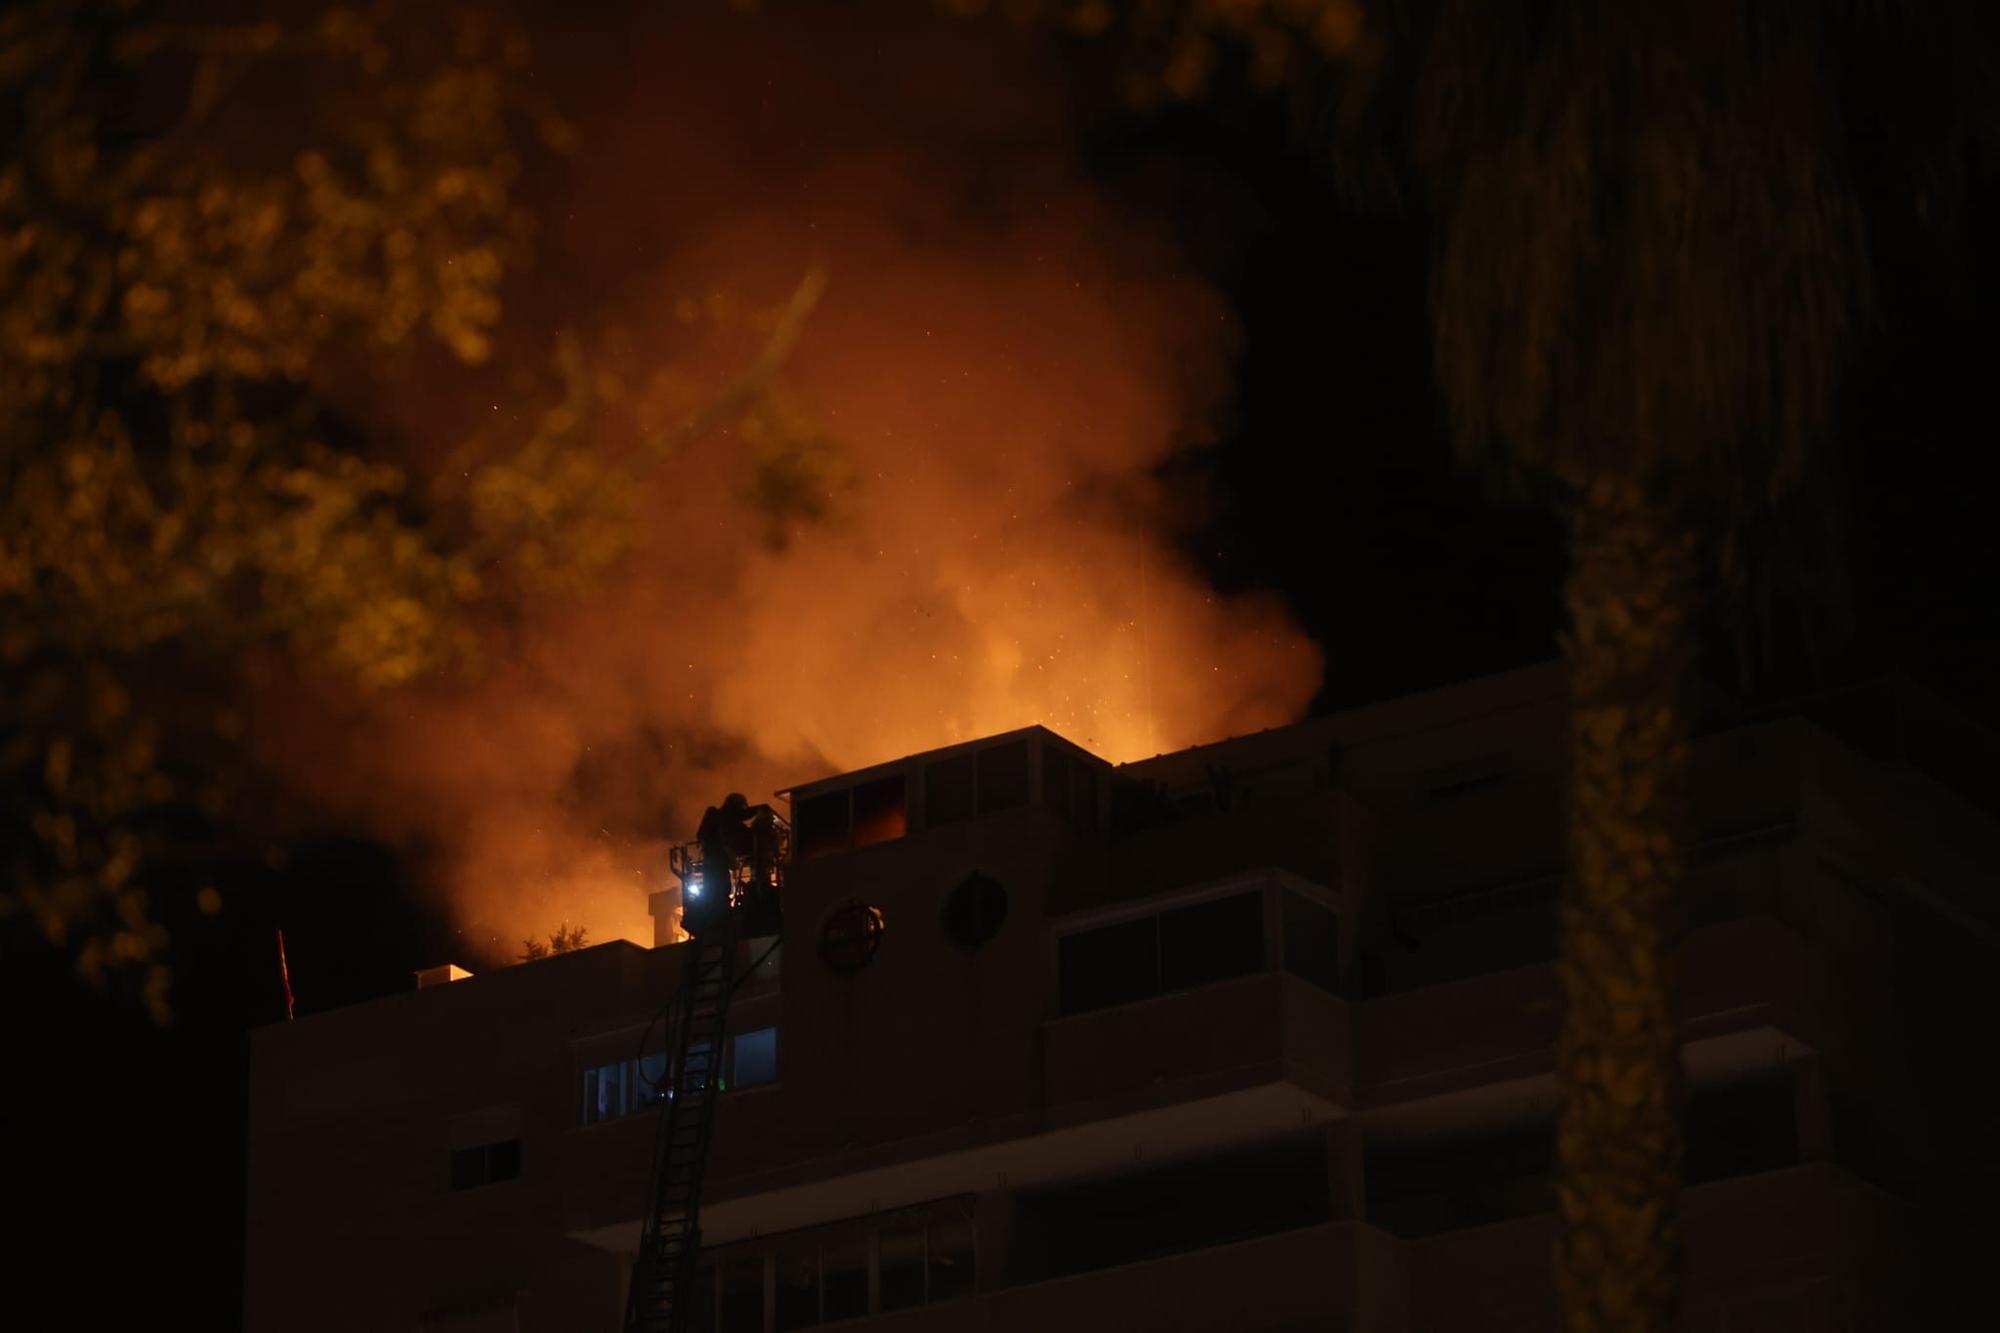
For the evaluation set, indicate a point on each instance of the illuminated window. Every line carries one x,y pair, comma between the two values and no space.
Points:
604,1091
623,1087
754,1058
649,1082
880,811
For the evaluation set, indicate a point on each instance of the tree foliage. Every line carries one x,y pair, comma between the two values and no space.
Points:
562,939
210,232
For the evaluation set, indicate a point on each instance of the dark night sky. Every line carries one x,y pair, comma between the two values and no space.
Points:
145,1129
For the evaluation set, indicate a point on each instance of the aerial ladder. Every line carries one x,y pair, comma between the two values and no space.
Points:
730,877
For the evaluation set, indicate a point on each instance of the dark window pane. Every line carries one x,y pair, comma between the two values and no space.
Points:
901,1261
1003,777
743,1295
844,1277
948,791
1211,941
951,1259
503,1160
880,812
1110,965
797,1292
819,824
975,909
590,1113
1055,780
1312,942
756,1058
701,1305
468,1168
1084,779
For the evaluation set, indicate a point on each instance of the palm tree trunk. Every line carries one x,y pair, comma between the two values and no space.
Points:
1631,595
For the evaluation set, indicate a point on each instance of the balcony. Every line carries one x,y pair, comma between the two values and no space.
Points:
1267,1029
1737,978
1768,1241
1333,1275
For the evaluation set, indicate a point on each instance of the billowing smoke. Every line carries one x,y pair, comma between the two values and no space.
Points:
1001,360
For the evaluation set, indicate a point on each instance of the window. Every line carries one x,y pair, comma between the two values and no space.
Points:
485,1164
819,823
754,1058
948,791
975,909
604,1092
1055,780
1003,777
1312,942
1211,941
880,812
1110,965
649,1082
843,1276
625,1087
742,1306
701,1308
846,1270
1069,787
1173,950
900,1261
797,1288
1083,797
949,1263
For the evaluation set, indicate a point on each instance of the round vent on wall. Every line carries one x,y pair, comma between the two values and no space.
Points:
850,936
975,909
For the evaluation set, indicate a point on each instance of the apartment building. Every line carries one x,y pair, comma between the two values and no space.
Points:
1252,1036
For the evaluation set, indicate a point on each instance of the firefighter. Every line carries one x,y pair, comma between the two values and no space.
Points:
724,837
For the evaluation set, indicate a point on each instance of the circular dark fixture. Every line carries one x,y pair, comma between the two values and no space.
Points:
975,909
850,936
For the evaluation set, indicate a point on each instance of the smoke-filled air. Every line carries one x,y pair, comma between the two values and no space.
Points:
998,364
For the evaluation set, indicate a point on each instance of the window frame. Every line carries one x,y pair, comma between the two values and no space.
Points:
924,1218
1266,887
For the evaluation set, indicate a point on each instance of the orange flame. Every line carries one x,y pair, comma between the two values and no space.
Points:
1002,379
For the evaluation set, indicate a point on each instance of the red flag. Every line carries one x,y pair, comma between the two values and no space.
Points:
285,974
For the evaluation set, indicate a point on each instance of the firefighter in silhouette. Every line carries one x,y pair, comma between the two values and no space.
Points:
725,839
